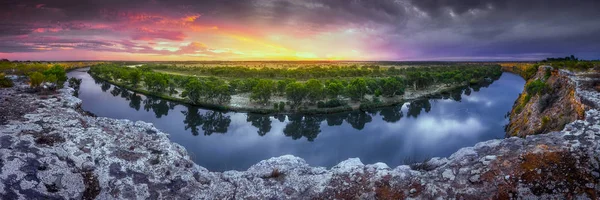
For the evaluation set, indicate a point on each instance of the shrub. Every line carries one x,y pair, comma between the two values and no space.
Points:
536,87
529,71
5,82
547,73
275,106
378,92
545,121
281,106
36,79
320,104
331,103
57,75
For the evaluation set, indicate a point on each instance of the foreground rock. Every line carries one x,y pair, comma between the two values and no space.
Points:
49,149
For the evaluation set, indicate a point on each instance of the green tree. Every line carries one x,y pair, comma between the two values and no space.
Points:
193,91
334,88
392,86
262,91
282,84
134,77
316,91
357,88
296,93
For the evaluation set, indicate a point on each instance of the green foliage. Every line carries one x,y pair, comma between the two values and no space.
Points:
357,88
281,106
322,82
547,73
36,79
378,93
296,93
193,91
334,88
282,84
262,91
392,86
316,90
545,121
208,91
57,75
5,82
530,71
51,79
134,77
332,103
156,82
536,87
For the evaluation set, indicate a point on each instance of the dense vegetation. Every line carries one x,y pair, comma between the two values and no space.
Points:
299,127
326,89
39,72
571,63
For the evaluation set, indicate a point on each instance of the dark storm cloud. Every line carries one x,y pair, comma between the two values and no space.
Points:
423,28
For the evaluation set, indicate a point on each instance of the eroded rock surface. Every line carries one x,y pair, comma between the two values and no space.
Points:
551,111
49,149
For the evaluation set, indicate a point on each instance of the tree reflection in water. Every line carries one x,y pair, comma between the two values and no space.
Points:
135,101
303,126
105,86
262,122
298,125
211,121
158,106
393,114
358,119
415,107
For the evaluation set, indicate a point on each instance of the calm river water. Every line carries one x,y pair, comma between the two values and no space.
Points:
221,141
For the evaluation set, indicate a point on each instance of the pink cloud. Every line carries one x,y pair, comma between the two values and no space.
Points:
151,34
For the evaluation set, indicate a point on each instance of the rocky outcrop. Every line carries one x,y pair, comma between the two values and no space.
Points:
49,149
550,110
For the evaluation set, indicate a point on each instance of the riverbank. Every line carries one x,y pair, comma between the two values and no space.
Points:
242,102
50,149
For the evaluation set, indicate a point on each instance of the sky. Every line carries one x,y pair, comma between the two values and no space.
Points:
391,30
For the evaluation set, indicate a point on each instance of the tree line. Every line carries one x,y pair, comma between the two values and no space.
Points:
298,93
300,126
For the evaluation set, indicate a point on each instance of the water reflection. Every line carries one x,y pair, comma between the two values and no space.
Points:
221,141
299,125
210,121
262,122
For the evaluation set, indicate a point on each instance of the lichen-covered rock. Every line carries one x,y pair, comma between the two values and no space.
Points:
51,150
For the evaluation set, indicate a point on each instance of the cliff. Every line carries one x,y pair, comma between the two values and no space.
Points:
551,108
50,149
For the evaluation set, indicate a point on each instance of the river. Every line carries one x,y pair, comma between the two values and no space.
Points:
412,132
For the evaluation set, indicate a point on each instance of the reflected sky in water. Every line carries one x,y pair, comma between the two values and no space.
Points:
219,141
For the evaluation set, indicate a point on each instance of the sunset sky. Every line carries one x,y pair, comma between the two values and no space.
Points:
298,29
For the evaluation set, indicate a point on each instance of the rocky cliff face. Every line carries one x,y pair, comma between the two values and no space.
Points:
49,149
549,110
